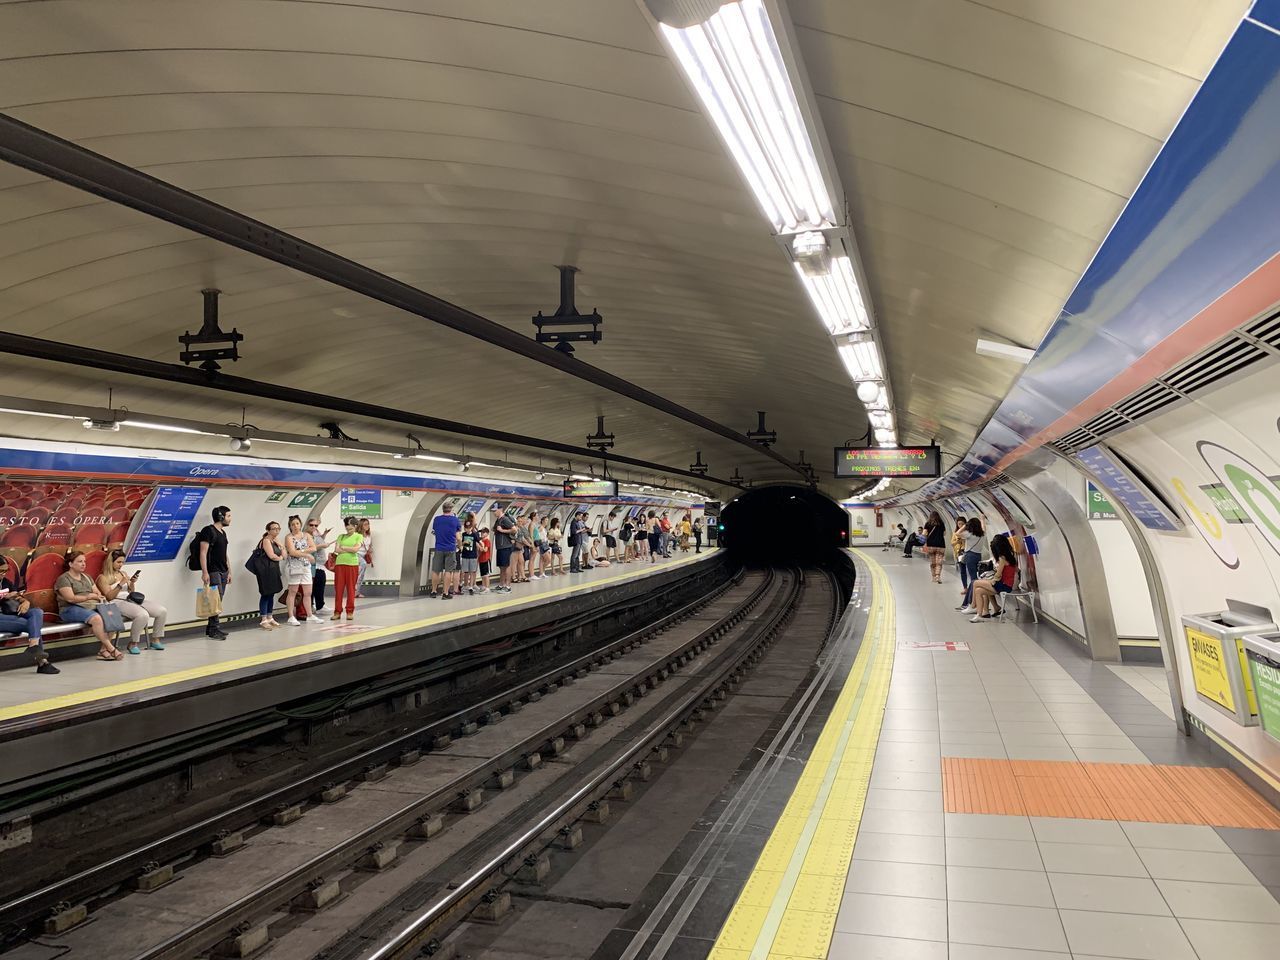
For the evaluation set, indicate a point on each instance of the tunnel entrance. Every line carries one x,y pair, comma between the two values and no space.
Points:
783,524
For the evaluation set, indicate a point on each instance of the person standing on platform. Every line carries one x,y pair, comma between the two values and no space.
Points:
366,553
957,551
468,555
935,544
609,530
319,575
299,551
626,530
686,531
215,570
19,615
484,551
346,567
504,532
697,536
642,535
655,537
554,536
576,527
974,548
444,561
266,562
541,546
664,534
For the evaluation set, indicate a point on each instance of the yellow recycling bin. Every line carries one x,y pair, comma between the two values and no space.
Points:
1219,665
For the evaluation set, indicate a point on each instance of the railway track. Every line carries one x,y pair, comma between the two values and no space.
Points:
549,730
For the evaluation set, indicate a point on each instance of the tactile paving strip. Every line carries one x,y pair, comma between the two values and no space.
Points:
1149,793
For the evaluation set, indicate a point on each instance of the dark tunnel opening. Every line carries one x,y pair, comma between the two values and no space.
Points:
784,524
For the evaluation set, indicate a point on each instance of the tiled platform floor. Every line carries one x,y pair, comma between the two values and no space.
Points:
929,885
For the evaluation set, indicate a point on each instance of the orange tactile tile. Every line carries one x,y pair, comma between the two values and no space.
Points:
1104,791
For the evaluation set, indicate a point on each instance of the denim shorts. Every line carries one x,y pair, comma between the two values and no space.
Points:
77,614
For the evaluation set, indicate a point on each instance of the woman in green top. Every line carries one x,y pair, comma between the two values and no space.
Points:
346,565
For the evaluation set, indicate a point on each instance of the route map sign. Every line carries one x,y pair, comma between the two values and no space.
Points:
591,488
871,463
361,502
164,530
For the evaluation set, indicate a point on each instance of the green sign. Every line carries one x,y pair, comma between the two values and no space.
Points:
1097,504
277,497
1225,503
365,502
308,498
1266,685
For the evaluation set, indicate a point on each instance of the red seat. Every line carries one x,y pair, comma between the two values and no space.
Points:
116,514
44,570
94,562
90,535
23,503
56,537
20,535
118,534
8,513
37,515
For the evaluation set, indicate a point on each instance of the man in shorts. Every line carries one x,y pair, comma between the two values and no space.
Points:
468,556
609,530
504,533
444,561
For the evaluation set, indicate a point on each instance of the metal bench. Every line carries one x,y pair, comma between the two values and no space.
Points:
1022,594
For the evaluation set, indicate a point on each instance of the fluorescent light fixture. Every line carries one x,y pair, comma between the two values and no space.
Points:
477,463
1004,351
433,458
881,400
837,297
734,61
167,427
886,437
108,426
40,413
812,253
578,476
880,419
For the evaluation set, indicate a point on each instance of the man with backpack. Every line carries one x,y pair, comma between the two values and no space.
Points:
577,536
208,554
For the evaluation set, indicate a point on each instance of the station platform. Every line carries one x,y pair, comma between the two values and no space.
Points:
94,708
944,790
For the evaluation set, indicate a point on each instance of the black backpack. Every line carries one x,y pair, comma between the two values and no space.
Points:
193,551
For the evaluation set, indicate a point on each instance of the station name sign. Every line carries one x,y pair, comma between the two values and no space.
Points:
871,463
591,488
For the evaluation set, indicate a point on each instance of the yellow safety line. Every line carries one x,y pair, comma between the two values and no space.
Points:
788,907
273,656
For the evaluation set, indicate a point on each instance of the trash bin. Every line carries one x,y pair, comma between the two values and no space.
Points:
1263,650
1219,666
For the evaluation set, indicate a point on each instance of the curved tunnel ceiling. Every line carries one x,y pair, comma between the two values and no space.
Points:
985,149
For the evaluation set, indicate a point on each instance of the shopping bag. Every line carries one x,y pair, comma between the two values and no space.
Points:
112,619
208,602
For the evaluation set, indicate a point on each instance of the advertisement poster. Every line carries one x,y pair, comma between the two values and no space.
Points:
1209,667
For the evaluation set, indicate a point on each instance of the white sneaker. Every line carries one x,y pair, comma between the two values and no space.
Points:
976,618
293,622
314,619
969,609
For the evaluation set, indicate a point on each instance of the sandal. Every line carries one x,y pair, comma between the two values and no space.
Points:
110,656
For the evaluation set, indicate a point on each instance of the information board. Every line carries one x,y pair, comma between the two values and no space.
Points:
474,505
164,529
591,488
363,502
1209,666
1126,489
871,463
1266,686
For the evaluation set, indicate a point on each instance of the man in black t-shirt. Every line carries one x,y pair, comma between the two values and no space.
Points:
504,531
215,570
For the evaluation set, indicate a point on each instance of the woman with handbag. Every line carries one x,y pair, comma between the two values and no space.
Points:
300,556
19,615
78,602
974,537
264,564
987,588
122,589
935,545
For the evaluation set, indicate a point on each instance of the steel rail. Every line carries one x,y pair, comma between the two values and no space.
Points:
86,882
410,936
58,159
203,933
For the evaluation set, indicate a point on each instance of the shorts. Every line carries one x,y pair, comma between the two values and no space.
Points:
556,550
609,541
1001,587
297,578
469,564
484,568
444,561
527,553
544,547
504,557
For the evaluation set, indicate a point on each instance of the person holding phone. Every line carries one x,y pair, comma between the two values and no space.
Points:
122,589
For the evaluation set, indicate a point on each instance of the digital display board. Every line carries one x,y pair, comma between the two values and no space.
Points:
591,488
1124,487
164,528
872,463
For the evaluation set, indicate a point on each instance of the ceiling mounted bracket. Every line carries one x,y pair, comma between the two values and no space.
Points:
698,466
216,343
599,440
762,436
567,315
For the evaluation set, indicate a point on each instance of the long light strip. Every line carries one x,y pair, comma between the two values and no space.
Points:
736,67
735,63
